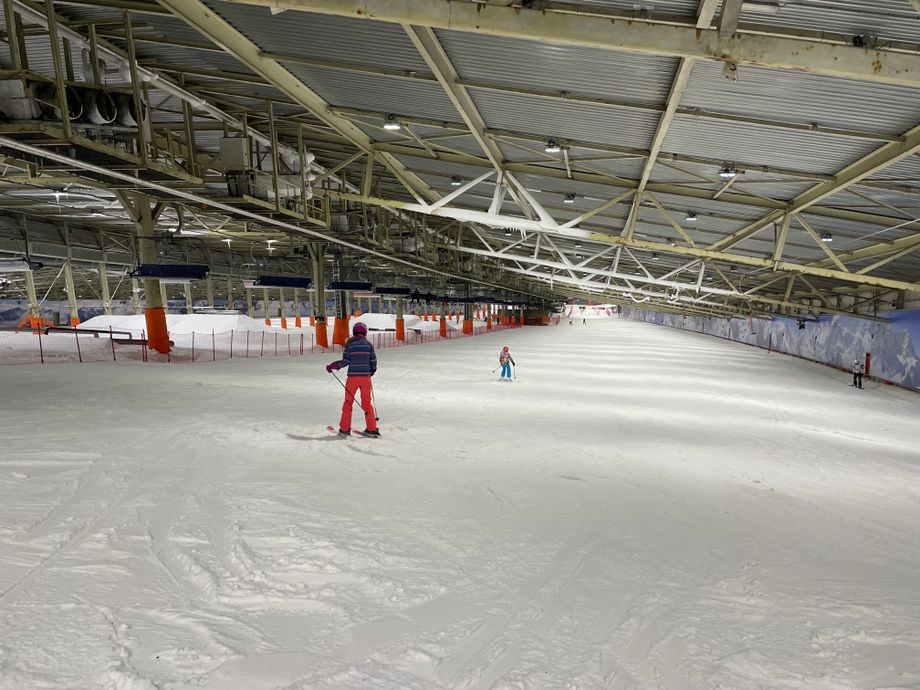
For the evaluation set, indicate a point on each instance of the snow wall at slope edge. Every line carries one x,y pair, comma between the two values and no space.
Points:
832,340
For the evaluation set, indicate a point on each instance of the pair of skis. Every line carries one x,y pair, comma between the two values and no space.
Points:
354,432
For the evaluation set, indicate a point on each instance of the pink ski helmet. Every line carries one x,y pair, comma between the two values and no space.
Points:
359,328
505,348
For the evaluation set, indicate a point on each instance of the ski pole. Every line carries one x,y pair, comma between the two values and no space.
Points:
374,402
352,395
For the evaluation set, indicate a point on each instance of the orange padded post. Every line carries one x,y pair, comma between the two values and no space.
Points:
443,328
297,322
400,329
468,326
312,320
157,334
322,334
340,331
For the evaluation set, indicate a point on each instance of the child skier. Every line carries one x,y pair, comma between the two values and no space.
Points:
361,360
505,360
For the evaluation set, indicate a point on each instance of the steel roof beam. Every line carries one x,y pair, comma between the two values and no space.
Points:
875,162
504,221
568,96
678,86
197,199
204,20
635,35
431,50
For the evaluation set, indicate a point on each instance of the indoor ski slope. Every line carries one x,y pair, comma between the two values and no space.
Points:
643,508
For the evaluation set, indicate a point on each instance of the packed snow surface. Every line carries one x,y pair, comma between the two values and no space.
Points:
641,508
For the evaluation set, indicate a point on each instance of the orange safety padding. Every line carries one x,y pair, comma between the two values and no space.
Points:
312,320
868,364
297,322
400,329
74,320
443,328
268,321
468,326
426,316
488,324
322,334
283,322
340,331
157,333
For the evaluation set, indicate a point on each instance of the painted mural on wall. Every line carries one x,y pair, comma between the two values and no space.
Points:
834,340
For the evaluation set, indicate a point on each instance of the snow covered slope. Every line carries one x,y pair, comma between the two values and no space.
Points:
643,508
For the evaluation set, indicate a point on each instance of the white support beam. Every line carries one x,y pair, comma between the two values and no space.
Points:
889,259
593,212
559,26
706,13
821,243
875,162
460,191
431,50
780,242
729,17
501,221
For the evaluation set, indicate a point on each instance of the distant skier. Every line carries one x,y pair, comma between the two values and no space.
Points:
505,360
361,360
857,373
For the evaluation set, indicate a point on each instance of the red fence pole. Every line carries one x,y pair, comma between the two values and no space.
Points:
112,342
41,351
193,347
262,347
231,343
213,347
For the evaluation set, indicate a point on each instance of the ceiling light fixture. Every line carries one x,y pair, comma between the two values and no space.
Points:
827,237
507,232
728,171
691,217
654,256
391,123
569,198
455,181
552,146
764,7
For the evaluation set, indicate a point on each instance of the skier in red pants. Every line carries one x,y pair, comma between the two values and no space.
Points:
361,360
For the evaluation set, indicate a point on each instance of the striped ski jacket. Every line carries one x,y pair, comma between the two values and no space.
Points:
359,357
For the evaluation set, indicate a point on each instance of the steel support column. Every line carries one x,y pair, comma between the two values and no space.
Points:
104,285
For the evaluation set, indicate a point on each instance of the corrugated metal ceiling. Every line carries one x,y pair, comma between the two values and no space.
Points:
578,122
554,67
376,93
324,37
787,96
801,151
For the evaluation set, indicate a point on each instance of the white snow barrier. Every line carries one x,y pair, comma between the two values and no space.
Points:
199,338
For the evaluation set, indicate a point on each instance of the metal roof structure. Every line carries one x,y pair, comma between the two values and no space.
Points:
719,157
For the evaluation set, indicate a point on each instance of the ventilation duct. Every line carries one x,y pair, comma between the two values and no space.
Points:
99,107
47,100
